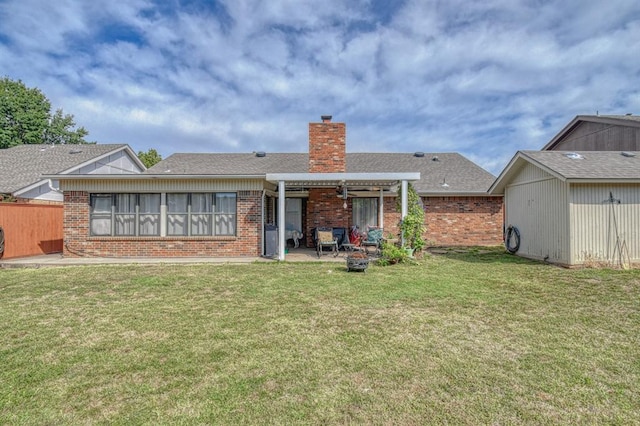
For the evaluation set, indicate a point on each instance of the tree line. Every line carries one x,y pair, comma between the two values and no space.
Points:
26,118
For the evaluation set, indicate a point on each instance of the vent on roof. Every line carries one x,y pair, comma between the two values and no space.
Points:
628,154
435,158
261,154
75,151
574,156
418,154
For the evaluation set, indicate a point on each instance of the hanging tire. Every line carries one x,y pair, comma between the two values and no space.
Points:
512,240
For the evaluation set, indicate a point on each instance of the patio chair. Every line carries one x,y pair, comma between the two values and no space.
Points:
324,238
373,239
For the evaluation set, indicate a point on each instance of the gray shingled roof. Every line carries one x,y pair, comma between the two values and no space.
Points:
24,165
231,164
593,165
460,174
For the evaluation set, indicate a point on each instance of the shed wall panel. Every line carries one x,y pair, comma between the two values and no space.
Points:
540,212
530,173
589,136
605,232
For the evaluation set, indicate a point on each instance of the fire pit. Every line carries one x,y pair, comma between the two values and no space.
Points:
357,262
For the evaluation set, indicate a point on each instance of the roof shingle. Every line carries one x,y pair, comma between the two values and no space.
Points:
23,165
444,173
592,165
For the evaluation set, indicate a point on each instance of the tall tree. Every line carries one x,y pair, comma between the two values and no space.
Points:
25,118
149,158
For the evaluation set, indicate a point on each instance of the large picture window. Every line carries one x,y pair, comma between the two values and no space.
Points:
125,214
187,214
201,214
365,212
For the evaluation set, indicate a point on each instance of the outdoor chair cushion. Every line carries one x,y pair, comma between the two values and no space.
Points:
374,235
325,237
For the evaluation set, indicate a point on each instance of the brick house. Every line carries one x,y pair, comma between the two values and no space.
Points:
220,204
31,211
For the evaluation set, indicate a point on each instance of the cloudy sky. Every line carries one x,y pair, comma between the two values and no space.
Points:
483,78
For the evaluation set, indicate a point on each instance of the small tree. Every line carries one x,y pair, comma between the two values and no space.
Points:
25,118
149,158
412,226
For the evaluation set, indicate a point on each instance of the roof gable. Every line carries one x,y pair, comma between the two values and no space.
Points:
23,166
598,133
583,166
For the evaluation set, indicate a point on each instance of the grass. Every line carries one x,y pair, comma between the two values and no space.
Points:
463,338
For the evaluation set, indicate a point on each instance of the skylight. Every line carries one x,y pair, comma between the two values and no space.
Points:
574,156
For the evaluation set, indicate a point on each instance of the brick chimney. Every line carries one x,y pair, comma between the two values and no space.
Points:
327,146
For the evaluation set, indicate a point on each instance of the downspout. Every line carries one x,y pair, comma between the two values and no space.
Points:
54,189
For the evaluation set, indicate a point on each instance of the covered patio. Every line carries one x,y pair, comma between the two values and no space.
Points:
345,185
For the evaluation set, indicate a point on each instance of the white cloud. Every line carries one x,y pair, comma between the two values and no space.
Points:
482,78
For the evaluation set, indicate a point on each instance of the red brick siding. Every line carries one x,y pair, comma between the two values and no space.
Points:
78,242
327,146
464,221
324,208
450,221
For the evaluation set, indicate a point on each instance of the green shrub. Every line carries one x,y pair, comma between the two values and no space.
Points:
392,254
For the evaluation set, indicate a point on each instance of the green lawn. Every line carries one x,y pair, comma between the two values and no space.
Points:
458,339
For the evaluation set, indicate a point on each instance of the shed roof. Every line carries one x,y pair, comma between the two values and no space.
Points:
23,165
576,166
441,173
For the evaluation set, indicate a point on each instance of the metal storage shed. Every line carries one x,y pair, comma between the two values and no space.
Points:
574,208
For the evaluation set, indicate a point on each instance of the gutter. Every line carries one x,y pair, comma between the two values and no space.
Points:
142,176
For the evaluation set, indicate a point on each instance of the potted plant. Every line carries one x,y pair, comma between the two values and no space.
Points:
412,226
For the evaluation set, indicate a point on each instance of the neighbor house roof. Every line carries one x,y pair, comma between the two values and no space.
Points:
574,166
441,173
614,120
24,165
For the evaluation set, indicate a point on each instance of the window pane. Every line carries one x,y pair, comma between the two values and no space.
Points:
177,224
225,224
101,225
149,203
200,224
149,224
149,211
225,218
293,214
201,203
226,203
101,203
125,203
100,214
125,224
365,212
177,203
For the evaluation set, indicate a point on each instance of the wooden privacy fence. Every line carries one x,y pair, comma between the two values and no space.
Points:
31,229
